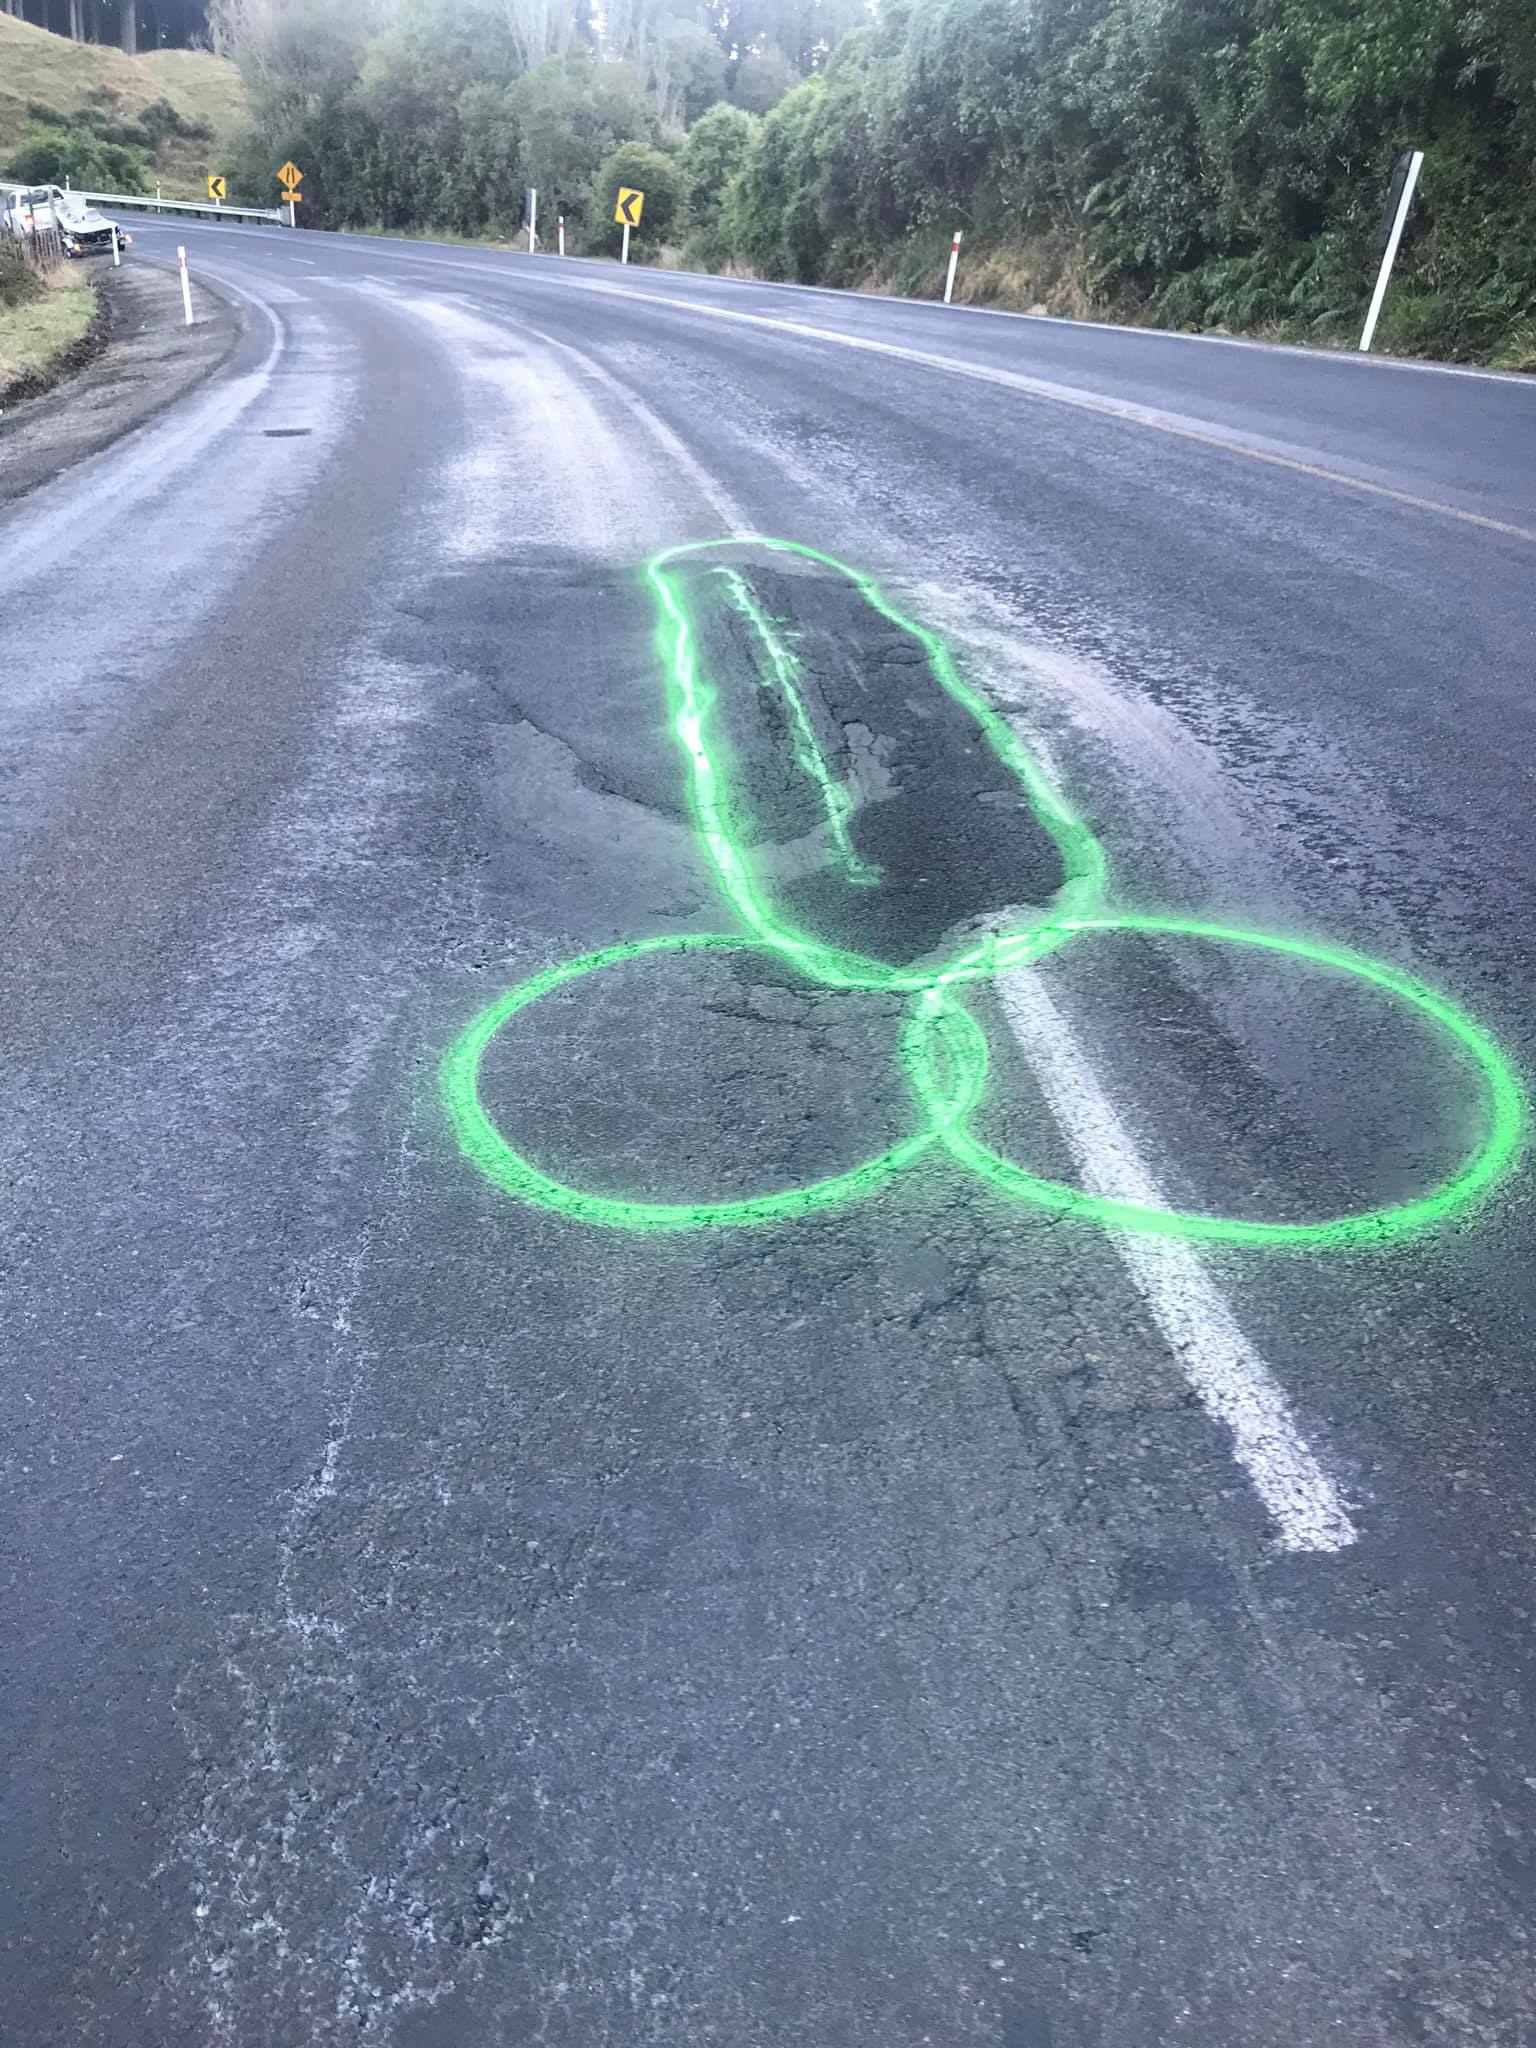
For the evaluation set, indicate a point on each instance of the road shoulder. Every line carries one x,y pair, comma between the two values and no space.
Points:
143,359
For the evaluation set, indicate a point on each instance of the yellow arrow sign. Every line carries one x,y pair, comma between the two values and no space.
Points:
627,212
216,188
290,175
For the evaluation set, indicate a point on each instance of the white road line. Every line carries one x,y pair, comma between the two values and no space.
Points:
1234,1384
1178,426
1312,353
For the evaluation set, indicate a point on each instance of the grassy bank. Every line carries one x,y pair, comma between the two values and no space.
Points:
48,74
38,333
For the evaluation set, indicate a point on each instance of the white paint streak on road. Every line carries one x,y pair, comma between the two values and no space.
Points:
1234,1384
1180,426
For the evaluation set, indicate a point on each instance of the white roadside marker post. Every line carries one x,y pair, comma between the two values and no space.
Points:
533,216
117,258
1389,257
186,287
562,233
954,259
624,257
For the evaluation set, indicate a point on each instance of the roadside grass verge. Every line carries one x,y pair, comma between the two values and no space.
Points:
38,334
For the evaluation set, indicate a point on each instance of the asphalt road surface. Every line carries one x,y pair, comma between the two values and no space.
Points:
468,1583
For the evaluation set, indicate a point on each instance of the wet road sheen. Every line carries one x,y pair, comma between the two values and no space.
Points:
608,1441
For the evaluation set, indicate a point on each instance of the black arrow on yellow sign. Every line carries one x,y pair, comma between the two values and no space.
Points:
627,212
217,189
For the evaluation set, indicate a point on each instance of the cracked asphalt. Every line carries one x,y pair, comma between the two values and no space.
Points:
431,1619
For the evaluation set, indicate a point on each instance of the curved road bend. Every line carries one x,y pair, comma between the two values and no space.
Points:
433,1617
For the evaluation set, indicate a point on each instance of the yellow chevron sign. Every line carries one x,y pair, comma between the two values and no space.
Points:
631,203
216,188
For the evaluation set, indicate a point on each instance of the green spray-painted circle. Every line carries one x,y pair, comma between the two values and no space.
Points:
1477,1174
513,1171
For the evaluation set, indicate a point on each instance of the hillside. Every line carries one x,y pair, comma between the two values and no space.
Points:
39,70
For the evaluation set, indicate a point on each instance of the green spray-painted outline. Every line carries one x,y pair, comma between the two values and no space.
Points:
511,1170
691,699
1483,1168
937,1015
835,800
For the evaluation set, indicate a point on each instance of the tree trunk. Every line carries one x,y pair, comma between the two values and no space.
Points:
77,21
131,27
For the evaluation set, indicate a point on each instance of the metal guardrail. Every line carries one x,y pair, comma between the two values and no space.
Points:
153,205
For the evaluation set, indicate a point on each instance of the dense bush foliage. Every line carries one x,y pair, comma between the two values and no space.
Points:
1204,162
1201,162
438,113
95,148
49,156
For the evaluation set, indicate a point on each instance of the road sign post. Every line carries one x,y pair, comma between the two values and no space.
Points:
631,204
954,259
290,177
1404,180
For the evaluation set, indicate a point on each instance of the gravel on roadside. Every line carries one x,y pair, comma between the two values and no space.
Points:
143,356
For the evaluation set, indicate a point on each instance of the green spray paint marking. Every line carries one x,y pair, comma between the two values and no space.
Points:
484,1144
943,1049
808,755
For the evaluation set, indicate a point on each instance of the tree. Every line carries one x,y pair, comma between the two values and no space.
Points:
539,29
294,54
687,71
761,78
769,215
710,158
569,113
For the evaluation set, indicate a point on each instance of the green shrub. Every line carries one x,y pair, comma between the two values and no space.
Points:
160,120
19,282
80,157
